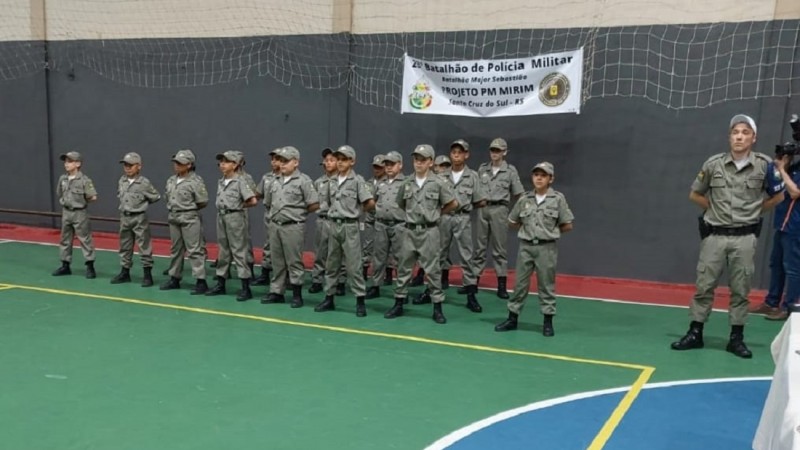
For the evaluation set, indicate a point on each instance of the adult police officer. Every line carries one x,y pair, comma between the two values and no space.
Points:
730,188
502,185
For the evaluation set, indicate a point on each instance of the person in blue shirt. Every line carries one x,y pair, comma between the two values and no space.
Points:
784,175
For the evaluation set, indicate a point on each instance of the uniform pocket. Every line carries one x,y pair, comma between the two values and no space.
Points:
717,182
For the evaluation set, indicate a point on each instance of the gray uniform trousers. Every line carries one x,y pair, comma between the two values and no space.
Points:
367,243
321,235
75,223
344,242
266,261
135,228
386,249
458,228
737,253
186,235
423,246
492,232
541,258
286,245
232,241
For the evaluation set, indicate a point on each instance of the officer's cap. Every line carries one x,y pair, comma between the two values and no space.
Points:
131,158
742,118
288,153
394,157
72,156
442,159
346,151
377,160
326,151
230,155
499,143
424,150
545,167
460,143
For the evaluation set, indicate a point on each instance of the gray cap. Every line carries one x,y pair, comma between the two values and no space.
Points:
184,157
377,160
346,151
424,150
275,151
742,118
72,156
442,159
461,143
230,155
288,153
546,167
394,157
241,156
131,158
499,143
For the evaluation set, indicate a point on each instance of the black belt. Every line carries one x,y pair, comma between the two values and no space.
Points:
223,212
537,241
182,210
738,231
74,209
342,220
289,222
497,203
390,223
460,213
132,213
421,226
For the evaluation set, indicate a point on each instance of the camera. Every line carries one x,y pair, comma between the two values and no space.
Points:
790,148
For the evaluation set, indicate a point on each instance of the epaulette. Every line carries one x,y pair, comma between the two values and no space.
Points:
762,156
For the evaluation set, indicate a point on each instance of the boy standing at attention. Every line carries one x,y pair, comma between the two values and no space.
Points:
135,194
541,217
233,196
75,191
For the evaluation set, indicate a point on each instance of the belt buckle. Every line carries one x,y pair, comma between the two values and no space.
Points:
535,241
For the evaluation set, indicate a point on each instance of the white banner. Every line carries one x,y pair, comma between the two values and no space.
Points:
543,84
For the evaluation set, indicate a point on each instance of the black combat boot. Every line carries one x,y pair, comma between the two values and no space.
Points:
465,288
445,279
63,270
262,279
438,315
361,308
297,296
423,298
396,310
340,289
172,283
736,343
501,287
547,326
373,292
509,324
124,276
147,278
692,339
419,278
388,280
200,287
90,273
244,293
218,289
315,287
326,305
273,297
472,300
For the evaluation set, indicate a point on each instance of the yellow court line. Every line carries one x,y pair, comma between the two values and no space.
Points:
599,441
3,287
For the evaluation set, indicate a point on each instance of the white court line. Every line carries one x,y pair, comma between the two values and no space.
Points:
5,241
462,433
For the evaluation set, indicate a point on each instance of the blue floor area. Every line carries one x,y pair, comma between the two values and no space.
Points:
707,416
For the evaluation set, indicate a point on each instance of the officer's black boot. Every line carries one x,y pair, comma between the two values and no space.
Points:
736,343
423,298
501,288
315,287
445,279
373,292
147,278
297,296
90,273
388,280
547,326
262,279
200,287
326,305
509,324
361,308
438,315
692,339
273,297
396,310
218,289
244,293
472,300
465,288
172,283
124,276
340,289
63,270
419,278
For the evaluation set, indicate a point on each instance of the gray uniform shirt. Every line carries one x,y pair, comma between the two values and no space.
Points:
345,199
75,193
423,205
288,201
735,196
321,185
468,189
232,195
501,186
263,186
134,197
186,194
386,207
541,221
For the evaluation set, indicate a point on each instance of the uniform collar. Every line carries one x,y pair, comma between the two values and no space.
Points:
728,159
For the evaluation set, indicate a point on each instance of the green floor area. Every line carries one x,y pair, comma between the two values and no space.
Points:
106,372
